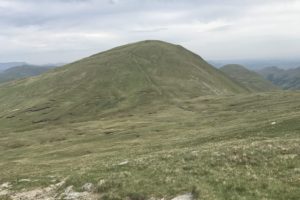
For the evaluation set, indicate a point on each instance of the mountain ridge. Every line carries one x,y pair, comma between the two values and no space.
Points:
247,78
288,79
124,77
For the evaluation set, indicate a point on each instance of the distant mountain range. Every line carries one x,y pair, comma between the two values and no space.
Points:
258,64
266,79
288,79
7,65
248,79
20,72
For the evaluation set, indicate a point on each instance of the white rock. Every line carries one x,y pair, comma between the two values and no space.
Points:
5,185
24,180
297,170
40,194
123,163
188,196
4,192
88,187
4,189
47,193
71,194
101,182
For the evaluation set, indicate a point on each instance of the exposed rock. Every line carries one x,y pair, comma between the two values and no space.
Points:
187,196
123,163
5,185
89,187
4,192
40,194
101,182
4,189
70,194
47,193
24,180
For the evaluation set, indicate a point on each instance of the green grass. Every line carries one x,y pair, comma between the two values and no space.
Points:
217,147
149,119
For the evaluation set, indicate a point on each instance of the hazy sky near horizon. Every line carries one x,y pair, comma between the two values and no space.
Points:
51,31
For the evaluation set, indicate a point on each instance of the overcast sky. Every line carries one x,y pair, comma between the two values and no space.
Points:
51,31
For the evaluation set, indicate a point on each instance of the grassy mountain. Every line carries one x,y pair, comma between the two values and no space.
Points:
144,121
23,71
288,79
249,79
121,78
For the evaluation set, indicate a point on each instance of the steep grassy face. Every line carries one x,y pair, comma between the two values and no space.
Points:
249,79
122,78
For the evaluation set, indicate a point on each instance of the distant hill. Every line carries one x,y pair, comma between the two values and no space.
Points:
253,64
249,79
23,71
124,77
288,79
7,65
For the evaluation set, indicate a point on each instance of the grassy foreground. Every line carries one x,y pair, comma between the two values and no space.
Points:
230,147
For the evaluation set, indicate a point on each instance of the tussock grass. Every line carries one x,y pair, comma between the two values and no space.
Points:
213,147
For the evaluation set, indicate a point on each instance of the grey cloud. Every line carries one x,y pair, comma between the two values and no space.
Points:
81,27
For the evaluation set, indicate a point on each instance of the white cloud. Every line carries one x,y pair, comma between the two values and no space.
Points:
214,29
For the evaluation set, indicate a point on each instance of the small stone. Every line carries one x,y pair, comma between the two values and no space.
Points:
25,180
69,189
71,194
5,185
123,163
88,187
101,182
4,192
297,170
188,196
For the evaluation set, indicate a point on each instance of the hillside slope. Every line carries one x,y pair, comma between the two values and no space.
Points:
121,78
214,147
23,71
287,79
249,79
136,133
